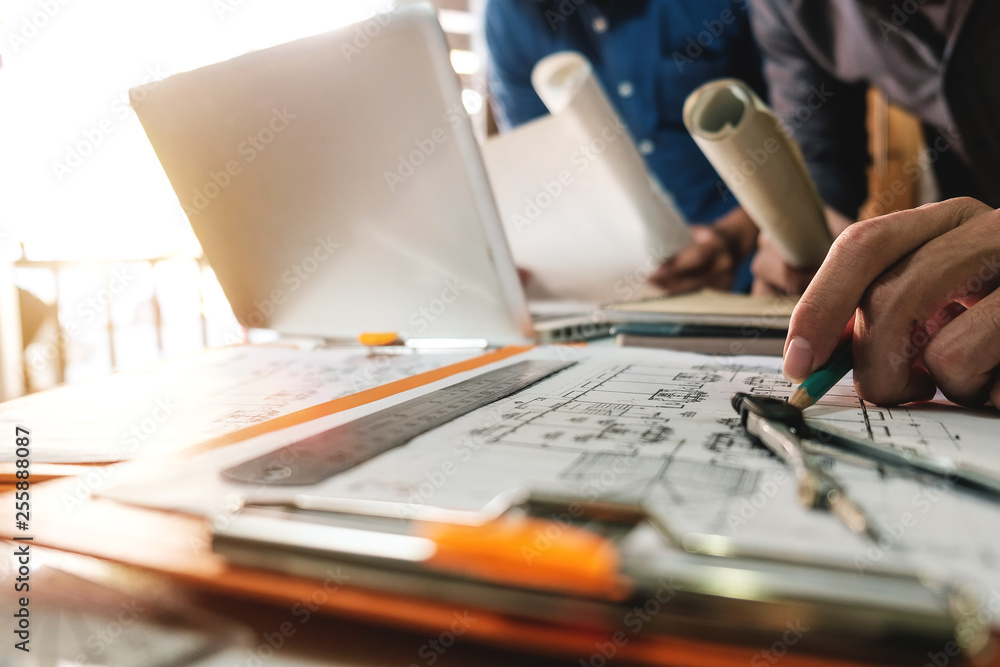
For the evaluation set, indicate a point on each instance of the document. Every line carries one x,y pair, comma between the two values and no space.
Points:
657,427
580,210
165,407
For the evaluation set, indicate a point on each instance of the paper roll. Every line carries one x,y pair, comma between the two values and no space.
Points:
762,166
579,207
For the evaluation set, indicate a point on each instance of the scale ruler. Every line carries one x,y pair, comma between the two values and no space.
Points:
325,454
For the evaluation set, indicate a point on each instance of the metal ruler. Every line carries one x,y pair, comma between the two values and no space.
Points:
325,454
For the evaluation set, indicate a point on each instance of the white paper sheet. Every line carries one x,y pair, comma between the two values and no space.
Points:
657,427
580,210
175,404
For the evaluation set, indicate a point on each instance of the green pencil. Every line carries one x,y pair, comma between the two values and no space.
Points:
820,382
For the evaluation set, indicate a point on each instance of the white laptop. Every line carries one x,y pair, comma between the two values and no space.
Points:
339,189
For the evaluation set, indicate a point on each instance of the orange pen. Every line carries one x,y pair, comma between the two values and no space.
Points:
534,553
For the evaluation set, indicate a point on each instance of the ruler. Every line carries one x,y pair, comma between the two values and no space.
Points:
325,454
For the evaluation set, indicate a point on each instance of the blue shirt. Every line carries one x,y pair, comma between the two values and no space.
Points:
649,55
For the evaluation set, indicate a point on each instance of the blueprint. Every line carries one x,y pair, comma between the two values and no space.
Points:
165,407
657,427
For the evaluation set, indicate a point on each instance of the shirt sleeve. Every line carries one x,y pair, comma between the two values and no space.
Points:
511,62
746,60
826,116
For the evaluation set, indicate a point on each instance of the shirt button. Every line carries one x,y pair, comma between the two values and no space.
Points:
646,147
625,89
600,25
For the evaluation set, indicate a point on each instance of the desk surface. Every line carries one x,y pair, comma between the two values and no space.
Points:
113,614
177,547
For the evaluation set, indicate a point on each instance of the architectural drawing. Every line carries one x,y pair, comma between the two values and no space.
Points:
182,402
657,427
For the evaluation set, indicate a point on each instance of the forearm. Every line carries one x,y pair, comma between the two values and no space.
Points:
825,115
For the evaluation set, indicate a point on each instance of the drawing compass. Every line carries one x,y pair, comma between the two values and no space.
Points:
780,428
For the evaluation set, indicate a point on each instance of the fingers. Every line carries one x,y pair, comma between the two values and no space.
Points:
695,283
964,357
836,221
674,272
857,259
719,275
905,306
707,263
772,276
694,259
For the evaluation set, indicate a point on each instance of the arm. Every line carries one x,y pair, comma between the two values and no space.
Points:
924,285
719,248
826,116
508,25
773,277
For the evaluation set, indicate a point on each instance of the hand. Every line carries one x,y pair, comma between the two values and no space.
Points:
714,257
709,262
773,277
924,285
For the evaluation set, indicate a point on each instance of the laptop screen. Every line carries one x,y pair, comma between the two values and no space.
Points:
336,186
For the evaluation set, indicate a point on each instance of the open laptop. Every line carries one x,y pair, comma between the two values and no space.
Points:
336,186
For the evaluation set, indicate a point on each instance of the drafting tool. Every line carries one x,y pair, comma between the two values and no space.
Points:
944,468
781,427
325,454
586,568
773,422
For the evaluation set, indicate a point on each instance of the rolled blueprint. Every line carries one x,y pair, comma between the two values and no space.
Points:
580,210
762,166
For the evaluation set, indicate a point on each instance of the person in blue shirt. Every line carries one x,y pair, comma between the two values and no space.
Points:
649,55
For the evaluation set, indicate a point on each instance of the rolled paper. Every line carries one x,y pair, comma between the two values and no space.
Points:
762,166
580,209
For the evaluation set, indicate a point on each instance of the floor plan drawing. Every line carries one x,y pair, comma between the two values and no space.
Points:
658,428
165,407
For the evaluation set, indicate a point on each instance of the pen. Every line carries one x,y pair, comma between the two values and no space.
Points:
379,338
525,551
518,550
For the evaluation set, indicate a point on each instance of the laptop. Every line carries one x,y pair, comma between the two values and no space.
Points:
336,187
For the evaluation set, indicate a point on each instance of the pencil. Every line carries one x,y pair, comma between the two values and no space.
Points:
820,382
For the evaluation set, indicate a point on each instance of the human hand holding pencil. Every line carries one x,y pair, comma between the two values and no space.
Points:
924,286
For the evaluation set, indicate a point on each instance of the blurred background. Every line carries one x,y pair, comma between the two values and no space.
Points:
99,269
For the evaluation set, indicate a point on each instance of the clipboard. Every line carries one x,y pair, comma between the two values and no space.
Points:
528,563
726,609
548,622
